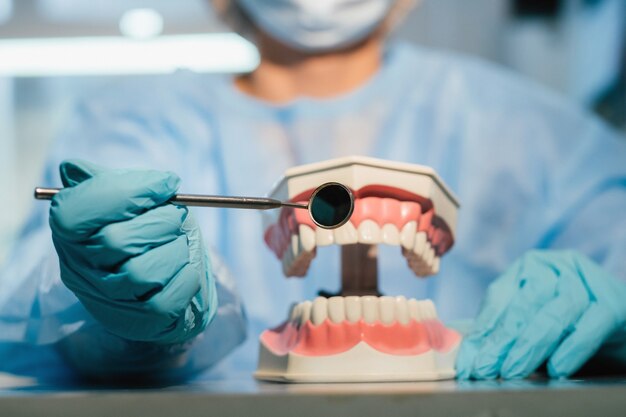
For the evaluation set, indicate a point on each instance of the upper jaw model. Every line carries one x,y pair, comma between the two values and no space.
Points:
359,336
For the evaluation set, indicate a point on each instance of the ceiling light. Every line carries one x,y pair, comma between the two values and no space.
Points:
141,23
215,52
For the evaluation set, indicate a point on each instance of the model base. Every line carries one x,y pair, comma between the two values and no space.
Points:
360,364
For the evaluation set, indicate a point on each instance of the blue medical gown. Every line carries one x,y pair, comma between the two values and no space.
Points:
531,171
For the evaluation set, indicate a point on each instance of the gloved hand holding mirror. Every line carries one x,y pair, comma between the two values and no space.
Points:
137,263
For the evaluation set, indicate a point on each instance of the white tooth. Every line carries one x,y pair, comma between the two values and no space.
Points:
390,234
414,310
346,234
427,310
407,237
295,245
436,265
336,309
369,304
353,309
420,243
430,255
387,309
402,310
307,237
432,308
319,311
422,259
305,308
324,237
369,232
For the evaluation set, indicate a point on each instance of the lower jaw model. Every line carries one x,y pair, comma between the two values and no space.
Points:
360,336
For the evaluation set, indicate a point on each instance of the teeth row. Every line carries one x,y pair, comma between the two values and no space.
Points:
386,310
416,248
368,232
418,251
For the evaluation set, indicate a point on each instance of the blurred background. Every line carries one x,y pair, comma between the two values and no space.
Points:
55,51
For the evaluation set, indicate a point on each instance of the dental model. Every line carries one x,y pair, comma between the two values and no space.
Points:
359,336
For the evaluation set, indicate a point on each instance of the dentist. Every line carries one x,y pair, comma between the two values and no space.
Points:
135,288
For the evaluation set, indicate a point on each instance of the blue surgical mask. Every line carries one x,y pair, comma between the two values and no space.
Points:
317,25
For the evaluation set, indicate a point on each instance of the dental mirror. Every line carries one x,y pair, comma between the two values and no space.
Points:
330,205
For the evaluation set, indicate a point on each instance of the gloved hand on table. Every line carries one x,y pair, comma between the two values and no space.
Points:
557,306
137,263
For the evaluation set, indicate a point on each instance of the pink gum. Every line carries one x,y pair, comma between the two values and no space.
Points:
330,338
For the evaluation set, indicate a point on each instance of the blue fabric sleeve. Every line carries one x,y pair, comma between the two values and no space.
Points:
99,355
556,177
586,195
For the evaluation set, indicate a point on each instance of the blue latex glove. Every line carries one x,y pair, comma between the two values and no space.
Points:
550,305
137,263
